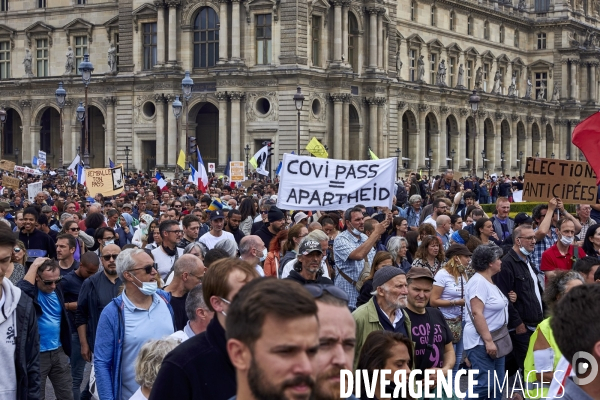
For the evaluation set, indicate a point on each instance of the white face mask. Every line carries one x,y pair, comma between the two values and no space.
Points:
264,255
143,225
148,288
567,240
523,250
107,242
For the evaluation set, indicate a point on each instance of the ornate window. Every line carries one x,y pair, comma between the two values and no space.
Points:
353,42
452,70
433,59
3,5
541,81
41,57
501,34
412,59
486,30
263,39
41,3
516,38
81,47
413,11
316,41
469,26
433,15
81,2
469,74
149,44
452,20
206,38
541,41
5,60
542,6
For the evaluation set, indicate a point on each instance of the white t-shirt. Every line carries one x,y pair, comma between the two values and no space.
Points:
211,241
289,266
138,395
451,291
164,262
495,309
429,220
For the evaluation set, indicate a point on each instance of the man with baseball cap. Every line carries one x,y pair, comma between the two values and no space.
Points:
216,233
307,267
431,334
385,310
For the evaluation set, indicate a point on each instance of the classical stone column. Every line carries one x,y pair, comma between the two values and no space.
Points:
26,132
373,140
417,140
528,139
381,148
110,138
461,155
373,37
160,32
345,8
573,93
543,122
346,127
173,4
338,137
223,32
222,97
160,101
573,150
69,145
337,31
236,121
235,30
593,82
380,38
172,150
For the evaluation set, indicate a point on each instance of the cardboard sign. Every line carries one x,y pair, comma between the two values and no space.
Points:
10,182
310,183
211,167
33,189
7,165
573,182
237,171
107,181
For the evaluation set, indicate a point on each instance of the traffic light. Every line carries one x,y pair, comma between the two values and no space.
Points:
191,144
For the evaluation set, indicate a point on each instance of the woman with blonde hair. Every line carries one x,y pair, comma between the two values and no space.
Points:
148,362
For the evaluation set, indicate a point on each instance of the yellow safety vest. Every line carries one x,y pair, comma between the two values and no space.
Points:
534,388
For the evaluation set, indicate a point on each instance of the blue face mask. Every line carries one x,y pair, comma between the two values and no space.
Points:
148,288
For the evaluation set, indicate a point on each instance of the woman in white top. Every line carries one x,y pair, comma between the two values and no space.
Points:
448,294
489,310
147,364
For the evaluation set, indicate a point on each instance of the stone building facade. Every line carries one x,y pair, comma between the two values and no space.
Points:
371,72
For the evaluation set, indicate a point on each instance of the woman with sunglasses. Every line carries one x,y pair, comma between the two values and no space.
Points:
72,228
16,270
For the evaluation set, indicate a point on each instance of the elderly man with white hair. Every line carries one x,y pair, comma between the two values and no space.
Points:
142,312
253,251
198,315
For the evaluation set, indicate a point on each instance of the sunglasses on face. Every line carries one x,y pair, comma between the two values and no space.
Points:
147,269
74,229
317,290
17,249
108,257
50,283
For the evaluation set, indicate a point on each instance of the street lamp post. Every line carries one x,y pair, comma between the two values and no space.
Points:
520,163
86,68
127,150
568,157
187,85
177,107
398,153
81,118
580,157
452,154
61,96
537,154
483,161
552,155
298,101
474,100
429,155
502,161
247,152
2,121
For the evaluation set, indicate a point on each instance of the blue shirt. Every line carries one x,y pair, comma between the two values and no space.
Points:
49,321
140,326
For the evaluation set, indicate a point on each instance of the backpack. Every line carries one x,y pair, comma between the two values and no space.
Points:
401,195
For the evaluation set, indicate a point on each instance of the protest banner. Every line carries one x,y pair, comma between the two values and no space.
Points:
42,159
28,170
309,183
236,170
10,182
7,165
211,167
573,182
33,189
106,181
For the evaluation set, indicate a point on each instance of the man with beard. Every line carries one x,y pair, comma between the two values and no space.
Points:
306,269
199,368
385,310
232,224
276,223
191,227
273,339
337,338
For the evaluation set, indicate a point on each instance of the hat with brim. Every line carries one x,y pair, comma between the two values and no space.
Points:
458,250
419,272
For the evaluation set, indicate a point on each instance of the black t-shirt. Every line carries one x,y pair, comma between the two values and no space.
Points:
71,285
106,290
178,305
73,267
439,338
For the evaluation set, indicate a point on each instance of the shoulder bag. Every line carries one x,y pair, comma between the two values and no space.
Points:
455,324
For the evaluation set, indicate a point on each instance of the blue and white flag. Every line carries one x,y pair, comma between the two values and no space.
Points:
278,172
160,181
80,174
111,163
34,161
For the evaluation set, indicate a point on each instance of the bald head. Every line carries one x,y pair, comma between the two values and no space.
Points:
90,258
443,224
250,242
187,263
94,208
314,226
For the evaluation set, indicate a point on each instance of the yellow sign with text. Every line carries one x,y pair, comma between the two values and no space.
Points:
106,181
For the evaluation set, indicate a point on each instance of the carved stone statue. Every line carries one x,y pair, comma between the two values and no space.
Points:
478,78
556,92
497,79
513,84
528,91
398,64
27,63
70,63
542,92
522,5
460,83
421,69
112,58
441,73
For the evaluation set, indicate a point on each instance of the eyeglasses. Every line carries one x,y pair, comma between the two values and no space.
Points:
50,283
17,249
177,206
317,290
196,276
264,212
148,268
179,232
74,229
527,238
109,256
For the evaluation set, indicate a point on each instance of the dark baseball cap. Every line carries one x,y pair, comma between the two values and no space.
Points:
523,218
308,246
216,215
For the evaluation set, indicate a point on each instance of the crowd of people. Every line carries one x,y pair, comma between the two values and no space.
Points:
179,294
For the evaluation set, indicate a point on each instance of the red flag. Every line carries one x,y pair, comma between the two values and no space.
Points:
586,136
